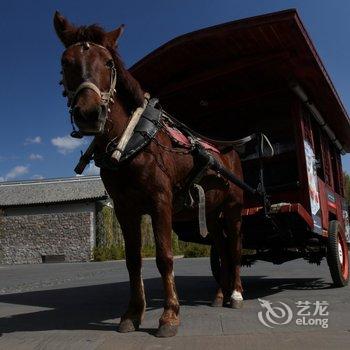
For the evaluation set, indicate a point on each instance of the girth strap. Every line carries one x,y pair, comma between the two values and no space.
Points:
203,230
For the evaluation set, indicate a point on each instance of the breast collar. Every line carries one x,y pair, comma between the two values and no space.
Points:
145,130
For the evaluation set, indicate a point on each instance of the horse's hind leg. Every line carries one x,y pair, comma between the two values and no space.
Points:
233,220
133,316
223,291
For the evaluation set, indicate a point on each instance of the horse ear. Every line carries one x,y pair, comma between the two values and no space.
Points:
113,36
64,30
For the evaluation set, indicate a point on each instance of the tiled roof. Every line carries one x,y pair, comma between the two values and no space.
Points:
51,191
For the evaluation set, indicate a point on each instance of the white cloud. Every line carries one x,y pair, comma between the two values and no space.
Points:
34,156
66,144
37,177
15,172
92,170
29,141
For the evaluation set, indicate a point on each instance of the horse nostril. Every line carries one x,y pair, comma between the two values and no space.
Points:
95,114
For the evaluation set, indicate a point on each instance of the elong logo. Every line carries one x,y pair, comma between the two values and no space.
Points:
308,313
274,315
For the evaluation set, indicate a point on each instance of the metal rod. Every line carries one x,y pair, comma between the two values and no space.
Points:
85,158
216,166
316,114
231,177
262,188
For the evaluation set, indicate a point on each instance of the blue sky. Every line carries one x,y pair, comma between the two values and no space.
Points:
34,117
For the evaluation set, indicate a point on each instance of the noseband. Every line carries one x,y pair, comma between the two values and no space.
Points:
105,97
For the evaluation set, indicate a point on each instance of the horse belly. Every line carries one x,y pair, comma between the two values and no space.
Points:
188,231
186,221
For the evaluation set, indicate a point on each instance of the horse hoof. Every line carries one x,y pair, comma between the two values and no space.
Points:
128,325
166,331
217,302
236,304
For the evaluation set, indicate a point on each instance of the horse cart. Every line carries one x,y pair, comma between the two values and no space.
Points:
262,76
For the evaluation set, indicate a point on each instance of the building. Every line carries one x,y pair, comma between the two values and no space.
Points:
49,220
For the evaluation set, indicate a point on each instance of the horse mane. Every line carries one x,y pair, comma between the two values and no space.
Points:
127,86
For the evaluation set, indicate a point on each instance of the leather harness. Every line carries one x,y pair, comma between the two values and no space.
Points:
145,130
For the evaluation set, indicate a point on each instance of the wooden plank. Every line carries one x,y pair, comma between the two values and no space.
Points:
299,136
226,70
284,209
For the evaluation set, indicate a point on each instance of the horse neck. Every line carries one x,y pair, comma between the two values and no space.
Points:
128,97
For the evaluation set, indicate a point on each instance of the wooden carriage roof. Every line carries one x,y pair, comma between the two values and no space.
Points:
238,62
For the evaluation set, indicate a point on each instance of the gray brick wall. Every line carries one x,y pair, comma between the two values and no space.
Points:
25,238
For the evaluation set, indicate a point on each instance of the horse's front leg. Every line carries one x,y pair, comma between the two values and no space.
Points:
133,316
162,227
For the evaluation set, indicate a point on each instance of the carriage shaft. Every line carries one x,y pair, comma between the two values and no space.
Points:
213,164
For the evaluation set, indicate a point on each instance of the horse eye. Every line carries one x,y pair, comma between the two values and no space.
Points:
110,63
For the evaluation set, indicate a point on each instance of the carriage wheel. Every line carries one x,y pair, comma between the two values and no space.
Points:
215,263
337,255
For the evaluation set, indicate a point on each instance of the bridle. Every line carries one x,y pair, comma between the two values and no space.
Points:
106,97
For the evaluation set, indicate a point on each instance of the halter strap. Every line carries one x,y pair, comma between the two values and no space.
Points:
82,86
105,96
86,45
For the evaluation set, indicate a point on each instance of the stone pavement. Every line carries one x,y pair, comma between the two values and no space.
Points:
77,306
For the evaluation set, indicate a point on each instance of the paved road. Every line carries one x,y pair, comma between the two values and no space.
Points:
77,306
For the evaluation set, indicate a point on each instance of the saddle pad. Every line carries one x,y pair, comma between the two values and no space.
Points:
182,140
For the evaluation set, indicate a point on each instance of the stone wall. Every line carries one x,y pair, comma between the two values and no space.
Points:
25,238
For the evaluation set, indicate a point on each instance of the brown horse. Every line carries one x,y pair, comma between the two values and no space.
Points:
148,182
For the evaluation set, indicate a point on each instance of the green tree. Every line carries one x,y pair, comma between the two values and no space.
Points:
347,186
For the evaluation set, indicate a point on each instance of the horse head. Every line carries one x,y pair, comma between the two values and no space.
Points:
89,69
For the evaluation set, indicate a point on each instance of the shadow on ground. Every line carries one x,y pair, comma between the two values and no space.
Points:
87,308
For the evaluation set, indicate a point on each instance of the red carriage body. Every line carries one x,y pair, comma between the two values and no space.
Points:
263,74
